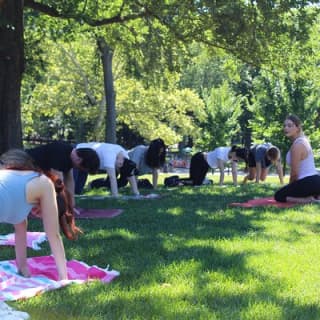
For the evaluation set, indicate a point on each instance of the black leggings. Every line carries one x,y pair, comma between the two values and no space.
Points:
198,168
306,187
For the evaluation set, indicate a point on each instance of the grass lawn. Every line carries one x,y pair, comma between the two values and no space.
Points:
189,255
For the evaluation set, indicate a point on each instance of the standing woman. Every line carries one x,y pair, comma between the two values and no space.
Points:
149,159
21,189
304,183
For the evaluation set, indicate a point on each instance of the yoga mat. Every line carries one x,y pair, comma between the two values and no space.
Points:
141,197
262,202
97,213
34,239
121,197
44,277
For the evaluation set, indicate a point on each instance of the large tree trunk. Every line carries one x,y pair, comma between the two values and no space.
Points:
106,56
11,68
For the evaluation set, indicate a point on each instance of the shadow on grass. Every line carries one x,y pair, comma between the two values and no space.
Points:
166,250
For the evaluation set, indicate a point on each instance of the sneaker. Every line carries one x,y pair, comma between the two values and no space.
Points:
207,182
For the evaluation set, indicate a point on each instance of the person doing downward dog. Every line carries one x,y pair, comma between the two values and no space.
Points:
304,183
22,188
202,161
261,158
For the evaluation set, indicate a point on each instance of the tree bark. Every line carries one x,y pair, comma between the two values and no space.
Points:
11,69
106,56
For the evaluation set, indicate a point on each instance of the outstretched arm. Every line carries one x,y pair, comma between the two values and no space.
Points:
43,190
69,183
279,171
221,169
21,248
258,171
113,181
234,170
134,185
155,175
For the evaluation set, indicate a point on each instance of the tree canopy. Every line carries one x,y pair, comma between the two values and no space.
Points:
152,40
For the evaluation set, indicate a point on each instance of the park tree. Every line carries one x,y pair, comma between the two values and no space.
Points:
244,28
292,88
68,102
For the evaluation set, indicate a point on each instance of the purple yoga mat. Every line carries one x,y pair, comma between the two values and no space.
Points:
97,213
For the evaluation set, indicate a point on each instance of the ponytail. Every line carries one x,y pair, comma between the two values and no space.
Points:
65,209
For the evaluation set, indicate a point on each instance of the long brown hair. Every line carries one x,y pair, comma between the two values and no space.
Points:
17,159
65,209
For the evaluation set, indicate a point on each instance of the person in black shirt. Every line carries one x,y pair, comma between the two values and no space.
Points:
60,158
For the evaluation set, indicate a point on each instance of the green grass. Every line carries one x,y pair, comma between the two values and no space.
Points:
189,255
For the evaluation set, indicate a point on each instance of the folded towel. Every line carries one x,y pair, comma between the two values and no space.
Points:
34,239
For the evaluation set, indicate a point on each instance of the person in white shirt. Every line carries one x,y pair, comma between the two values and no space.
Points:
217,158
113,157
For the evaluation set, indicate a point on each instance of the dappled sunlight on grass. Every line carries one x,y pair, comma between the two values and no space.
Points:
189,255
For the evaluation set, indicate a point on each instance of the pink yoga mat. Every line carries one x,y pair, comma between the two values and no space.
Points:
44,277
97,213
262,202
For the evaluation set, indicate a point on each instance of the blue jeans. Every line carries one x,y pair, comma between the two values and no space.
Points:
80,179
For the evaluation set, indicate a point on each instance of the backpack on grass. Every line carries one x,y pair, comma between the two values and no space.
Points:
172,181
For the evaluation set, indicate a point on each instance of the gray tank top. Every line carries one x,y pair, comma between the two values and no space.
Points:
14,205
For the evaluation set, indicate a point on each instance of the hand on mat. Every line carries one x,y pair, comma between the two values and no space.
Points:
76,211
25,272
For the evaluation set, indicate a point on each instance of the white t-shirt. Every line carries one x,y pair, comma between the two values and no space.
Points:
218,153
107,153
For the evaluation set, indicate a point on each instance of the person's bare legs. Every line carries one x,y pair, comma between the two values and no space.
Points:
21,248
264,173
250,176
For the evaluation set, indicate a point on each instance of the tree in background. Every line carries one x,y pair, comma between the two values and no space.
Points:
291,89
245,29
223,110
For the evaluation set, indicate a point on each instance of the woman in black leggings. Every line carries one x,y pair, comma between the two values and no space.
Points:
304,183
202,161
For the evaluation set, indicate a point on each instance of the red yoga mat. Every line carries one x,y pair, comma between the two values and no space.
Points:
262,202
97,213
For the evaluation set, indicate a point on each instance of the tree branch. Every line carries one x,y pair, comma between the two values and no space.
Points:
53,12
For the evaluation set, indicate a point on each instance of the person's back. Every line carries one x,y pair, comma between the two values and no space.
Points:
107,152
219,153
55,155
138,156
307,166
14,206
